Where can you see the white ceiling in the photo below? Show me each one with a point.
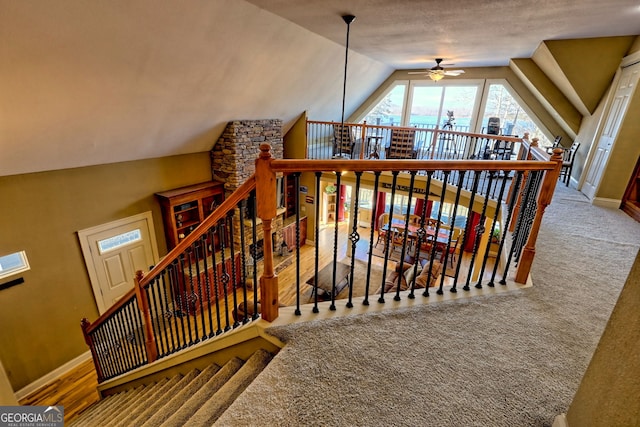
(470, 33)
(88, 82)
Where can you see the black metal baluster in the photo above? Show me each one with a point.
(200, 247)
(510, 205)
(354, 237)
(100, 342)
(481, 230)
(405, 237)
(153, 329)
(254, 227)
(151, 298)
(172, 312)
(179, 296)
(454, 288)
(208, 244)
(332, 307)
(493, 228)
(216, 285)
(126, 348)
(135, 342)
(374, 222)
(317, 247)
(434, 247)
(139, 328)
(530, 211)
(422, 233)
(296, 177)
(394, 174)
(188, 290)
(243, 262)
(112, 348)
(232, 257)
(224, 276)
(165, 308)
(468, 228)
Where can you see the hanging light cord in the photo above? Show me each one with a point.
(348, 19)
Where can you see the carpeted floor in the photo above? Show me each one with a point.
(514, 359)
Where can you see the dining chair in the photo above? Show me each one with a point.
(401, 145)
(456, 238)
(568, 157)
(556, 143)
(383, 227)
(343, 140)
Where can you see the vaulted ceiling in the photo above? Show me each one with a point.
(85, 83)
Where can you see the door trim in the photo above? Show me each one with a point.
(88, 258)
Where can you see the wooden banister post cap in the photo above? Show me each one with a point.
(84, 323)
(139, 275)
(526, 136)
(534, 142)
(557, 154)
(265, 151)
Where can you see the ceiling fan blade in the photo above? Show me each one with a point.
(454, 72)
(418, 72)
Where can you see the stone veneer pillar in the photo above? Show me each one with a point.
(233, 162)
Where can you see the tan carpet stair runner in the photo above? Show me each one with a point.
(195, 399)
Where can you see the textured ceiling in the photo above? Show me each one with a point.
(88, 82)
(411, 33)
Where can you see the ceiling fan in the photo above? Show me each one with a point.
(437, 73)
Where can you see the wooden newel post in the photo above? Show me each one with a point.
(143, 306)
(85, 324)
(266, 210)
(544, 199)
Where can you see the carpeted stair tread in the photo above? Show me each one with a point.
(140, 405)
(130, 401)
(106, 405)
(95, 408)
(181, 396)
(188, 408)
(153, 406)
(223, 398)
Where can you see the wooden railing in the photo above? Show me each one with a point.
(365, 141)
(207, 285)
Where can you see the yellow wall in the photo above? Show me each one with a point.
(41, 214)
(608, 393)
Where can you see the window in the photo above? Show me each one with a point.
(432, 105)
(13, 264)
(514, 120)
(422, 104)
(388, 112)
(119, 240)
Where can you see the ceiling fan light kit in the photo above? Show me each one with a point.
(437, 73)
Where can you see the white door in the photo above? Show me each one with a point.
(113, 253)
(624, 91)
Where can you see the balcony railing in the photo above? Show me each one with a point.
(364, 141)
(208, 284)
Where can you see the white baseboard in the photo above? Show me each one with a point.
(56, 373)
(560, 421)
(607, 203)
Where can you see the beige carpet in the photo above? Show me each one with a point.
(515, 359)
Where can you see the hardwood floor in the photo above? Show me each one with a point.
(76, 390)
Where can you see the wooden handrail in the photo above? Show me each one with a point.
(228, 204)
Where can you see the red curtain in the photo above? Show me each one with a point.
(380, 204)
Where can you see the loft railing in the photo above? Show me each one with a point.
(325, 140)
(207, 284)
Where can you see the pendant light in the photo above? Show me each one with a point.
(348, 19)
